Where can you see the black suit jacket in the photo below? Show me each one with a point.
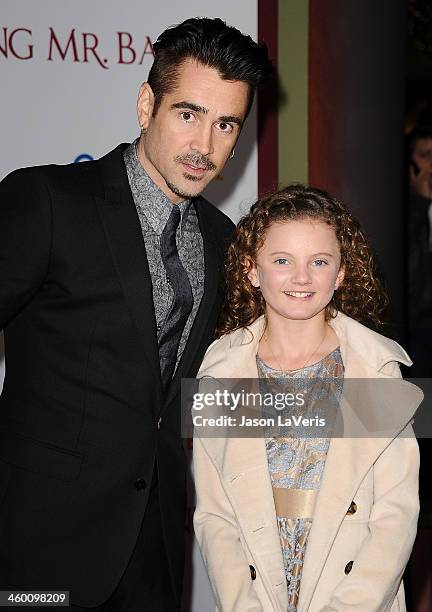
(82, 414)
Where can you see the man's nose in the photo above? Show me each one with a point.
(203, 140)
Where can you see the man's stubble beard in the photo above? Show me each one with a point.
(181, 193)
(194, 159)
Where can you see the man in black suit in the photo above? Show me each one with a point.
(110, 288)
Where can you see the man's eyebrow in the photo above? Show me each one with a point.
(190, 106)
(201, 109)
(231, 119)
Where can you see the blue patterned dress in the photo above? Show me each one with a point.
(298, 464)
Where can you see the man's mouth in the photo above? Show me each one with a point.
(194, 169)
(195, 165)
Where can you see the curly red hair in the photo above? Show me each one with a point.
(360, 296)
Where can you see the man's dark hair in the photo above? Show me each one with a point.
(420, 132)
(212, 43)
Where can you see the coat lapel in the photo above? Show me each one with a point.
(375, 416)
(243, 466)
(123, 231)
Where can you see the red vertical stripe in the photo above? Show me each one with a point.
(267, 102)
(325, 95)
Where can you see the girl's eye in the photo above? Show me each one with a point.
(187, 116)
(281, 261)
(320, 262)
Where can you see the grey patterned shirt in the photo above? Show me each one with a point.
(154, 208)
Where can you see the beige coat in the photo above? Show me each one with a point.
(235, 521)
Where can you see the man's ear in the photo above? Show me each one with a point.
(145, 105)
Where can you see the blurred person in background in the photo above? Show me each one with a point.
(420, 250)
(419, 269)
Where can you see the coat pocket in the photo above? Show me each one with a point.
(39, 457)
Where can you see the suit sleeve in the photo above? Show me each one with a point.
(25, 239)
(219, 539)
(377, 571)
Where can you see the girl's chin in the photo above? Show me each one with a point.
(297, 315)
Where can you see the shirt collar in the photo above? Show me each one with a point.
(149, 198)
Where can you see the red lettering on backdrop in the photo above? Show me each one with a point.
(67, 47)
(5, 47)
(92, 49)
(128, 46)
(126, 52)
(8, 44)
(54, 42)
(148, 49)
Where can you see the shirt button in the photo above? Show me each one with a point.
(348, 567)
(140, 484)
(159, 422)
(353, 508)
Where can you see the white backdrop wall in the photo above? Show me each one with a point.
(70, 73)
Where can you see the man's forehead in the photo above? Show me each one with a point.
(203, 86)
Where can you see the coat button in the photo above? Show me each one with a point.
(353, 508)
(252, 571)
(348, 567)
(140, 484)
(159, 422)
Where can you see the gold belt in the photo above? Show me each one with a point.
(294, 503)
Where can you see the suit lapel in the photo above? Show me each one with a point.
(212, 272)
(123, 231)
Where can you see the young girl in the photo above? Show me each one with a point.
(306, 524)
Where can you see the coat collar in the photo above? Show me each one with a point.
(244, 461)
(363, 350)
(389, 405)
